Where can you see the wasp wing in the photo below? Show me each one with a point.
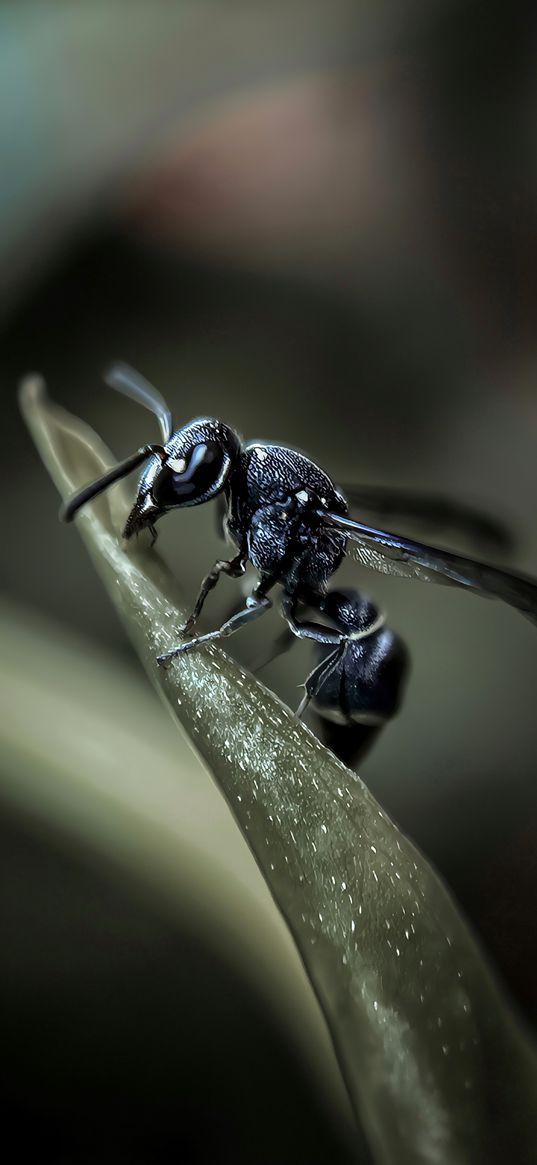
(393, 554)
(432, 511)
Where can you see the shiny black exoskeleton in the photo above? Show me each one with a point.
(286, 517)
(357, 690)
(357, 686)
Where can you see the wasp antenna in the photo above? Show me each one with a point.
(90, 491)
(132, 384)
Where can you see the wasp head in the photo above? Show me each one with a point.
(193, 467)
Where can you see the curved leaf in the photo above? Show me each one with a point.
(436, 1065)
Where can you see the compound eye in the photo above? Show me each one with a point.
(189, 479)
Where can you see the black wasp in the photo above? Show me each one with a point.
(287, 518)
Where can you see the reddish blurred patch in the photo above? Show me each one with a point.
(308, 174)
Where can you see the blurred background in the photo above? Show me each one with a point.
(317, 222)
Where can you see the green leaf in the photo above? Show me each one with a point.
(436, 1065)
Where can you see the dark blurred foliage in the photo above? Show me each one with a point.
(102, 1061)
(362, 287)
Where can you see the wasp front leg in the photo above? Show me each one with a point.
(235, 568)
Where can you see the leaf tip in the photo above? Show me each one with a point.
(32, 393)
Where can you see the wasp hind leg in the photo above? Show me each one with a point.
(319, 675)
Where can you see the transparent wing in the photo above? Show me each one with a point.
(434, 511)
(132, 384)
(393, 554)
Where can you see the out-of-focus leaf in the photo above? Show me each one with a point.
(435, 1063)
(87, 754)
